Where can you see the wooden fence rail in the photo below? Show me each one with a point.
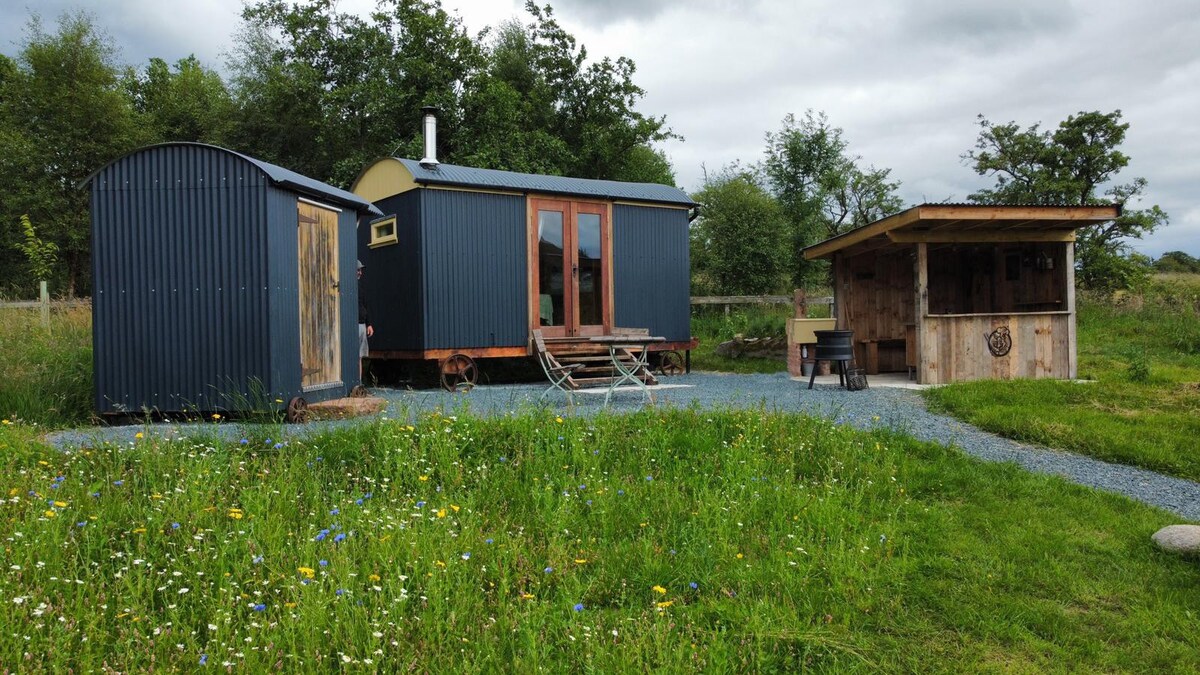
(44, 304)
(728, 300)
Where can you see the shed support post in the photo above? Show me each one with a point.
(44, 296)
(1069, 270)
(921, 307)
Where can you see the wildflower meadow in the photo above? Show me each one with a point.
(666, 540)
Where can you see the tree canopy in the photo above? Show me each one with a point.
(320, 91)
(738, 241)
(1071, 165)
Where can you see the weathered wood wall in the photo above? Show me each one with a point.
(955, 348)
(875, 297)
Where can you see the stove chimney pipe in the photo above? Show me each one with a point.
(430, 159)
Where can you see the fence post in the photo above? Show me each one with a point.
(45, 302)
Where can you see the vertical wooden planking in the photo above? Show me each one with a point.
(925, 355)
(1069, 276)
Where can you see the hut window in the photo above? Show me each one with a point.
(383, 232)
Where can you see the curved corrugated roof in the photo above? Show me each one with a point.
(493, 179)
(276, 174)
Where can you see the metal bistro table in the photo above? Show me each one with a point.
(637, 346)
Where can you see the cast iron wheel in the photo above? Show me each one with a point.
(358, 391)
(297, 410)
(459, 373)
(670, 363)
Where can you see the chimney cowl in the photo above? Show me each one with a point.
(430, 134)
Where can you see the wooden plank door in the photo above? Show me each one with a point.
(571, 267)
(320, 306)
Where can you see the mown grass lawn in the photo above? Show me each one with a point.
(1151, 419)
(680, 540)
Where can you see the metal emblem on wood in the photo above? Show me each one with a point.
(999, 341)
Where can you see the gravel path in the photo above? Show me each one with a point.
(898, 409)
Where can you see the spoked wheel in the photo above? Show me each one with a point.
(459, 373)
(297, 410)
(358, 391)
(670, 363)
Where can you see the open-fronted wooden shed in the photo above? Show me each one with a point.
(962, 291)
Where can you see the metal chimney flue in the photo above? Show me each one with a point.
(430, 160)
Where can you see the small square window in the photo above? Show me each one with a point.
(383, 232)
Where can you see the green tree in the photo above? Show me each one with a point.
(41, 255)
(324, 92)
(185, 103)
(537, 105)
(1068, 166)
(821, 188)
(738, 241)
(1177, 261)
(62, 115)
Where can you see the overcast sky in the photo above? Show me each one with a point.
(905, 79)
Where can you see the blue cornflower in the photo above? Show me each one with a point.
(267, 442)
(59, 479)
(204, 659)
(368, 495)
(244, 441)
(649, 479)
(560, 438)
(694, 585)
(621, 493)
(589, 502)
(487, 541)
(54, 485)
(322, 563)
(340, 591)
(420, 504)
(118, 483)
(582, 487)
(334, 512)
(96, 495)
(503, 460)
(305, 582)
(358, 501)
(338, 539)
(277, 446)
(672, 551)
(548, 570)
(579, 607)
(466, 556)
(174, 526)
(260, 607)
(81, 523)
(257, 559)
(321, 535)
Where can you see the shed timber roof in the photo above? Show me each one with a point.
(967, 223)
(276, 174)
(450, 175)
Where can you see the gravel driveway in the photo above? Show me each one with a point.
(898, 409)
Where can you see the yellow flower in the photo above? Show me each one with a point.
(155, 496)
(50, 514)
(659, 589)
(580, 561)
(558, 419)
(739, 556)
(527, 596)
(139, 530)
(455, 507)
(665, 604)
(235, 513)
(5, 422)
(216, 416)
(306, 571)
(139, 435)
(441, 513)
(290, 605)
(14, 492)
(439, 563)
(61, 505)
(373, 577)
(423, 478)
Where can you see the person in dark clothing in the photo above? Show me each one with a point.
(364, 323)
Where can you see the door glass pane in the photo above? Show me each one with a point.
(591, 279)
(550, 268)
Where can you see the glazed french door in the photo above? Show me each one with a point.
(572, 268)
(320, 338)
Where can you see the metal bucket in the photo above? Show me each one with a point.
(835, 345)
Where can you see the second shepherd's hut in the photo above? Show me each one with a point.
(467, 263)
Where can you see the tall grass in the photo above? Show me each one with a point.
(681, 540)
(47, 374)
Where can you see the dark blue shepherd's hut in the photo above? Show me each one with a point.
(471, 261)
(222, 282)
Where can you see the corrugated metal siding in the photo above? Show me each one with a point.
(392, 280)
(473, 255)
(465, 176)
(179, 261)
(651, 272)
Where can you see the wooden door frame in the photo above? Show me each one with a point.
(570, 208)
